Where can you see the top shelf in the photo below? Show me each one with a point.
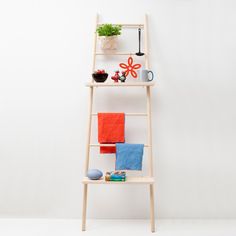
(127, 84)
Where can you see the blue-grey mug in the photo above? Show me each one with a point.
(145, 75)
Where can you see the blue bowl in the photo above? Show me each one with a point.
(94, 174)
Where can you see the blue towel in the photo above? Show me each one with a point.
(129, 156)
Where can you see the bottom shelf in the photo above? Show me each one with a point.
(129, 180)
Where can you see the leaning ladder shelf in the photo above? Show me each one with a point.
(147, 180)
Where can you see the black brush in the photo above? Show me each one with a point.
(139, 53)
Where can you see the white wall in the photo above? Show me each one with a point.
(45, 59)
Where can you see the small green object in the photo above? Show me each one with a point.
(118, 180)
(109, 30)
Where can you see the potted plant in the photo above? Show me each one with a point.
(108, 35)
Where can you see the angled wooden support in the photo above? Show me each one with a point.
(149, 123)
(87, 159)
(90, 104)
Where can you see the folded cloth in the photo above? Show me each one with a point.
(115, 176)
(111, 129)
(129, 156)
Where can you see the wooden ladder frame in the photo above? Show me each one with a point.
(130, 180)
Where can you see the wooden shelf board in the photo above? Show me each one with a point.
(129, 180)
(128, 84)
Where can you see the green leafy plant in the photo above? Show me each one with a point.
(109, 30)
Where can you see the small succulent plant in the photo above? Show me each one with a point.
(109, 30)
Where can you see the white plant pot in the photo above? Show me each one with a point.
(109, 42)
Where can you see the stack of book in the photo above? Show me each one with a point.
(115, 176)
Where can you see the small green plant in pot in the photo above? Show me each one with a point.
(108, 35)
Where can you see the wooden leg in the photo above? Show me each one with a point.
(152, 216)
(84, 207)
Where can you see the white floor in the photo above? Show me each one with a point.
(46, 227)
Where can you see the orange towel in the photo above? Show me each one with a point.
(111, 129)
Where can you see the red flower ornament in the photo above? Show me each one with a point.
(130, 67)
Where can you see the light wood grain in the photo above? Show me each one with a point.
(129, 180)
(146, 40)
(108, 145)
(149, 125)
(125, 25)
(115, 54)
(152, 215)
(85, 190)
(85, 193)
(127, 84)
(95, 44)
(127, 114)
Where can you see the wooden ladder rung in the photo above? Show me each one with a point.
(126, 25)
(108, 145)
(115, 54)
(127, 114)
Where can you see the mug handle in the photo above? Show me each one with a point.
(152, 75)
